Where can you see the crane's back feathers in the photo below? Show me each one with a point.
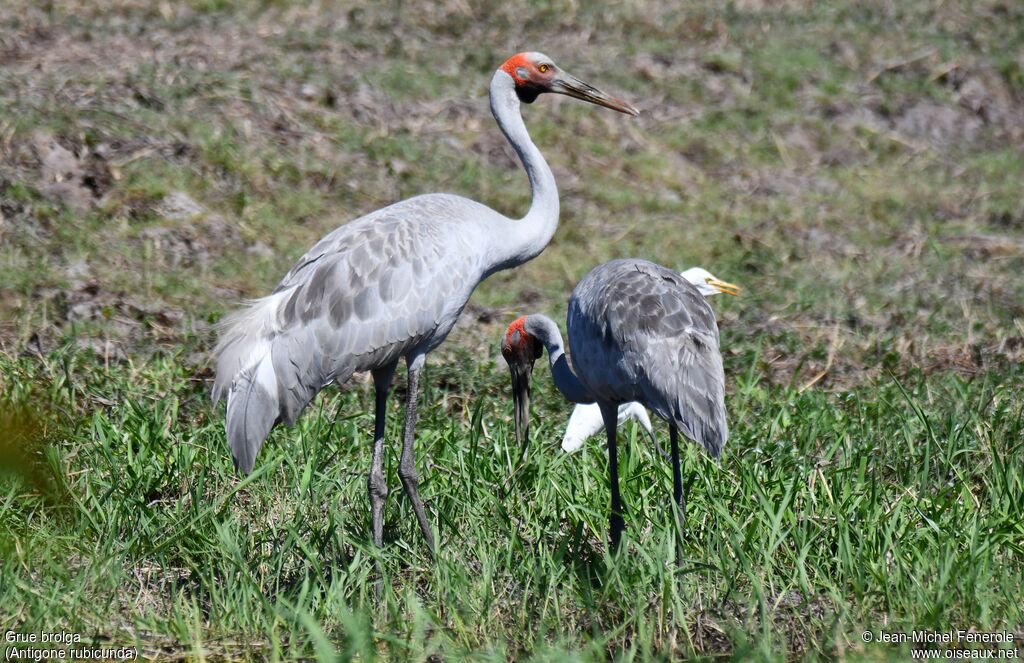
(370, 292)
(640, 332)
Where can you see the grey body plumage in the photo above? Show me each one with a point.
(638, 332)
(641, 332)
(387, 286)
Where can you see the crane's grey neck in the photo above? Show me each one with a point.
(527, 237)
(546, 331)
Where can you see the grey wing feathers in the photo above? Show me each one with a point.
(663, 339)
(365, 295)
(695, 382)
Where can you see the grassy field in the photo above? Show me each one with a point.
(855, 166)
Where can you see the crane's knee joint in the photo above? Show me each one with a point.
(377, 485)
(407, 473)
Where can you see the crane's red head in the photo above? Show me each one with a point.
(530, 69)
(518, 345)
(535, 73)
(520, 350)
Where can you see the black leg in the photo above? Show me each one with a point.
(407, 464)
(610, 414)
(376, 483)
(678, 498)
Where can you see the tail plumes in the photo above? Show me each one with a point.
(245, 370)
(245, 339)
(252, 411)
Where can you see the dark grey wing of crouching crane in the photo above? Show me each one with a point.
(638, 332)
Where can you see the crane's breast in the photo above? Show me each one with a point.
(601, 362)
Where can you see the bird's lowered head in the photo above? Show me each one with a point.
(708, 284)
(535, 73)
(521, 350)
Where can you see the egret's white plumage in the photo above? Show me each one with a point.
(585, 420)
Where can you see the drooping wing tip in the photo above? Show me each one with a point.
(715, 445)
(243, 466)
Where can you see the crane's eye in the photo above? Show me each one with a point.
(707, 280)
(543, 68)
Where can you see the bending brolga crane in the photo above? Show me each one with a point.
(638, 332)
(586, 417)
(387, 286)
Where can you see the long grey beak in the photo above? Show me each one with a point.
(521, 377)
(569, 85)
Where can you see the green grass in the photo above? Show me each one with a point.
(873, 478)
(892, 506)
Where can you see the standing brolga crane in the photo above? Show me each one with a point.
(638, 332)
(586, 418)
(387, 286)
